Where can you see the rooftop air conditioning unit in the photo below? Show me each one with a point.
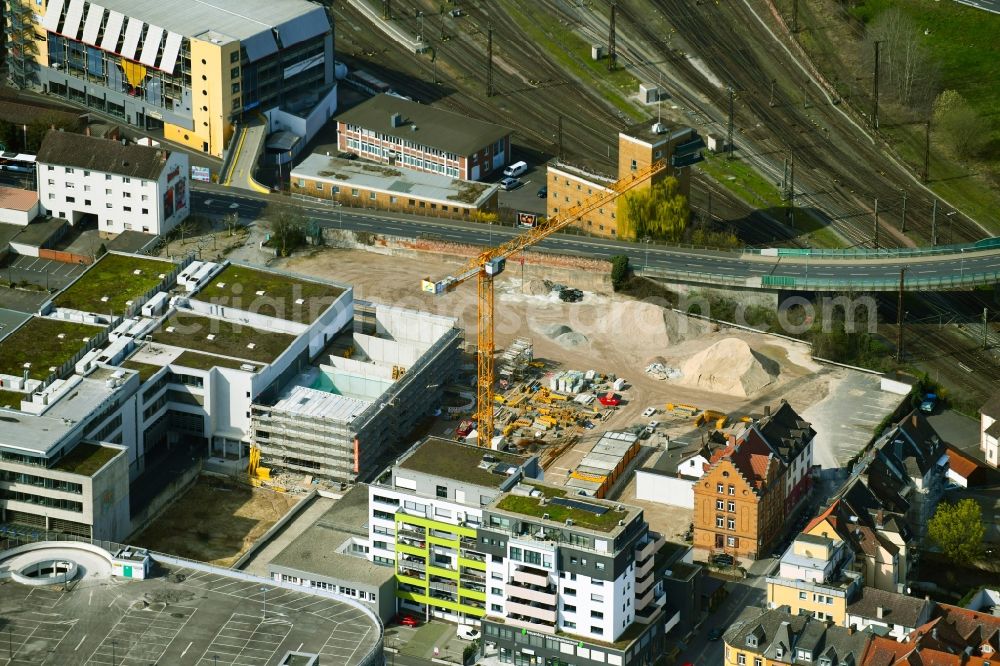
(569, 521)
(545, 516)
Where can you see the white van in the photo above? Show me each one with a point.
(467, 633)
(515, 169)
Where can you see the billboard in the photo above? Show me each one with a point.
(203, 174)
(527, 219)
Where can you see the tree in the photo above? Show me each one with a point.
(907, 72)
(619, 271)
(288, 228)
(659, 212)
(958, 530)
(966, 131)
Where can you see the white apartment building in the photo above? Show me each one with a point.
(989, 442)
(121, 187)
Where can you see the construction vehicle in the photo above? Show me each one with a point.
(492, 261)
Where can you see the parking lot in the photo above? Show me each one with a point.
(44, 273)
(525, 196)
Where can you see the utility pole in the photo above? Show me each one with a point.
(770, 102)
(612, 49)
(927, 151)
(805, 93)
(795, 16)
(876, 223)
(875, 90)
(732, 107)
(899, 317)
(903, 214)
(489, 60)
(559, 138)
(791, 189)
(934, 224)
(985, 331)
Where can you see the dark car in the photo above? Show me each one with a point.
(723, 560)
(715, 633)
(543, 191)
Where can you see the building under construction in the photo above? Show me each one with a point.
(336, 421)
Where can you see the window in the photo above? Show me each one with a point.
(441, 491)
(442, 513)
(107, 176)
(600, 566)
(731, 523)
(145, 211)
(371, 195)
(731, 541)
(720, 505)
(757, 662)
(70, 186)
(52, 181)
(71, 199)
(126, 180)
(720, 521)
(569, 592)
(597, 630)
(720, 488)
(732, 489)
(107, 205)
(569, 625)
(569, 608)
(802, 595)
(234, 56)
(597, 615)
(634, 165)
(741, 659)
(107, 191)
(731, 506)
(319, 186)
(236, 88)
(234, 73)
(497, 591)
(86, 202)
(599, 598)
(496, 608)
(354, 191)
(69, 170)
(127, 209)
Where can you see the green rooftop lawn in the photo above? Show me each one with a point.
(529, 506)
(145, 370)
(38, 342)
(457, 461)
(197, 361)
(11, 399)
(86, 459)
(228, 339)
(239, 286)
(114, 278)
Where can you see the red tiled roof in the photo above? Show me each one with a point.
(821, 517)
(962, 464)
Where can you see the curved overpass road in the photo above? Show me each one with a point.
(948, 270)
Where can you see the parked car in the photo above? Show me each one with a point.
(649, 412)
(715, 633)
(543, 192)
(407, 620)
(723, 560)
(653, 425)
(516, 169)
(928, 404)
(467, 633)
(509, 184)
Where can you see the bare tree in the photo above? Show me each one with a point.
(907, 72)
(288, 227)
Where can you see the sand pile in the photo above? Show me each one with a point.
(566, 336)
(731, 367)
(655, 324)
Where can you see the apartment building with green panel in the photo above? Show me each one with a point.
(425, 512)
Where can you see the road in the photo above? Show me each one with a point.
(699, 266)
(986, 5)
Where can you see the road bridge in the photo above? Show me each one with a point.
(941, 268)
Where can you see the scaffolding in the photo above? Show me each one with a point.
(515, 360)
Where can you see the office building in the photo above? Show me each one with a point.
(189, 67)
(120, 187)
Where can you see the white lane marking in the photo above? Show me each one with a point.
(187, 648)
(80, 643)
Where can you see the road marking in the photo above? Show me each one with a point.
(964, 367)
(187, 648)
(80, 643)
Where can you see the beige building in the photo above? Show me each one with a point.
(364, 185)
(189, 67)
(815, 578)
(638, 147)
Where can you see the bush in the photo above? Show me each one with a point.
(470, 651)
(619, 271)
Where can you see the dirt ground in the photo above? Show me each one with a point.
(622, 335)
(215, 521)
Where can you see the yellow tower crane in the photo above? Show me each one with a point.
(491, 262)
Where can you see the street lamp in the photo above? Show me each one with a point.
(948, 215)
(961, 264)
(645, 262)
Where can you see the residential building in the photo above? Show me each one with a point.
(639, 146)
(964, 470)
(192, 68)
(121, 187)
(989, 429)
(791, 438)
(953, 637)
(777, 636)
(671, 476)
(571, 579)
(332, 554)
(425, 514)
(895, 614)
(18, 207)
(397, 188)
(399, 132)
(814, 578)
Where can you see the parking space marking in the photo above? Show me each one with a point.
(140, 637)
(245, 640)
(44, 636)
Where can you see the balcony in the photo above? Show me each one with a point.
(535, 625)
(444, 536)
(469, 555)
(412, 564)
(531, 576)
(537, 612)
(651, 543)
(644, 583)
(647, 614)
(443, 586)
(643, 568)
(537, 594)
(404, 529)
(473, 575)
(644, 599)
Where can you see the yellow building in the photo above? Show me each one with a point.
(779, 637)
(814, 578)
(638, 147)
(188, 67)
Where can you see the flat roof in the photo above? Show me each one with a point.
(394, 180)
(238, 19)
(200, 610)
(459, 462)
(531, 507)
(44, 343)
(14, 198)
(315, 403)
(38, 232)
(437, 128)
(11, 319)
(87, 459)
(282, 295)
(111, 283)
(192, 331)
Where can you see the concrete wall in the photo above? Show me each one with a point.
(657, 487)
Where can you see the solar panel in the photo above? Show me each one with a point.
(595, 509)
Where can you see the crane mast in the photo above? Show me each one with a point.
(491, 262)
